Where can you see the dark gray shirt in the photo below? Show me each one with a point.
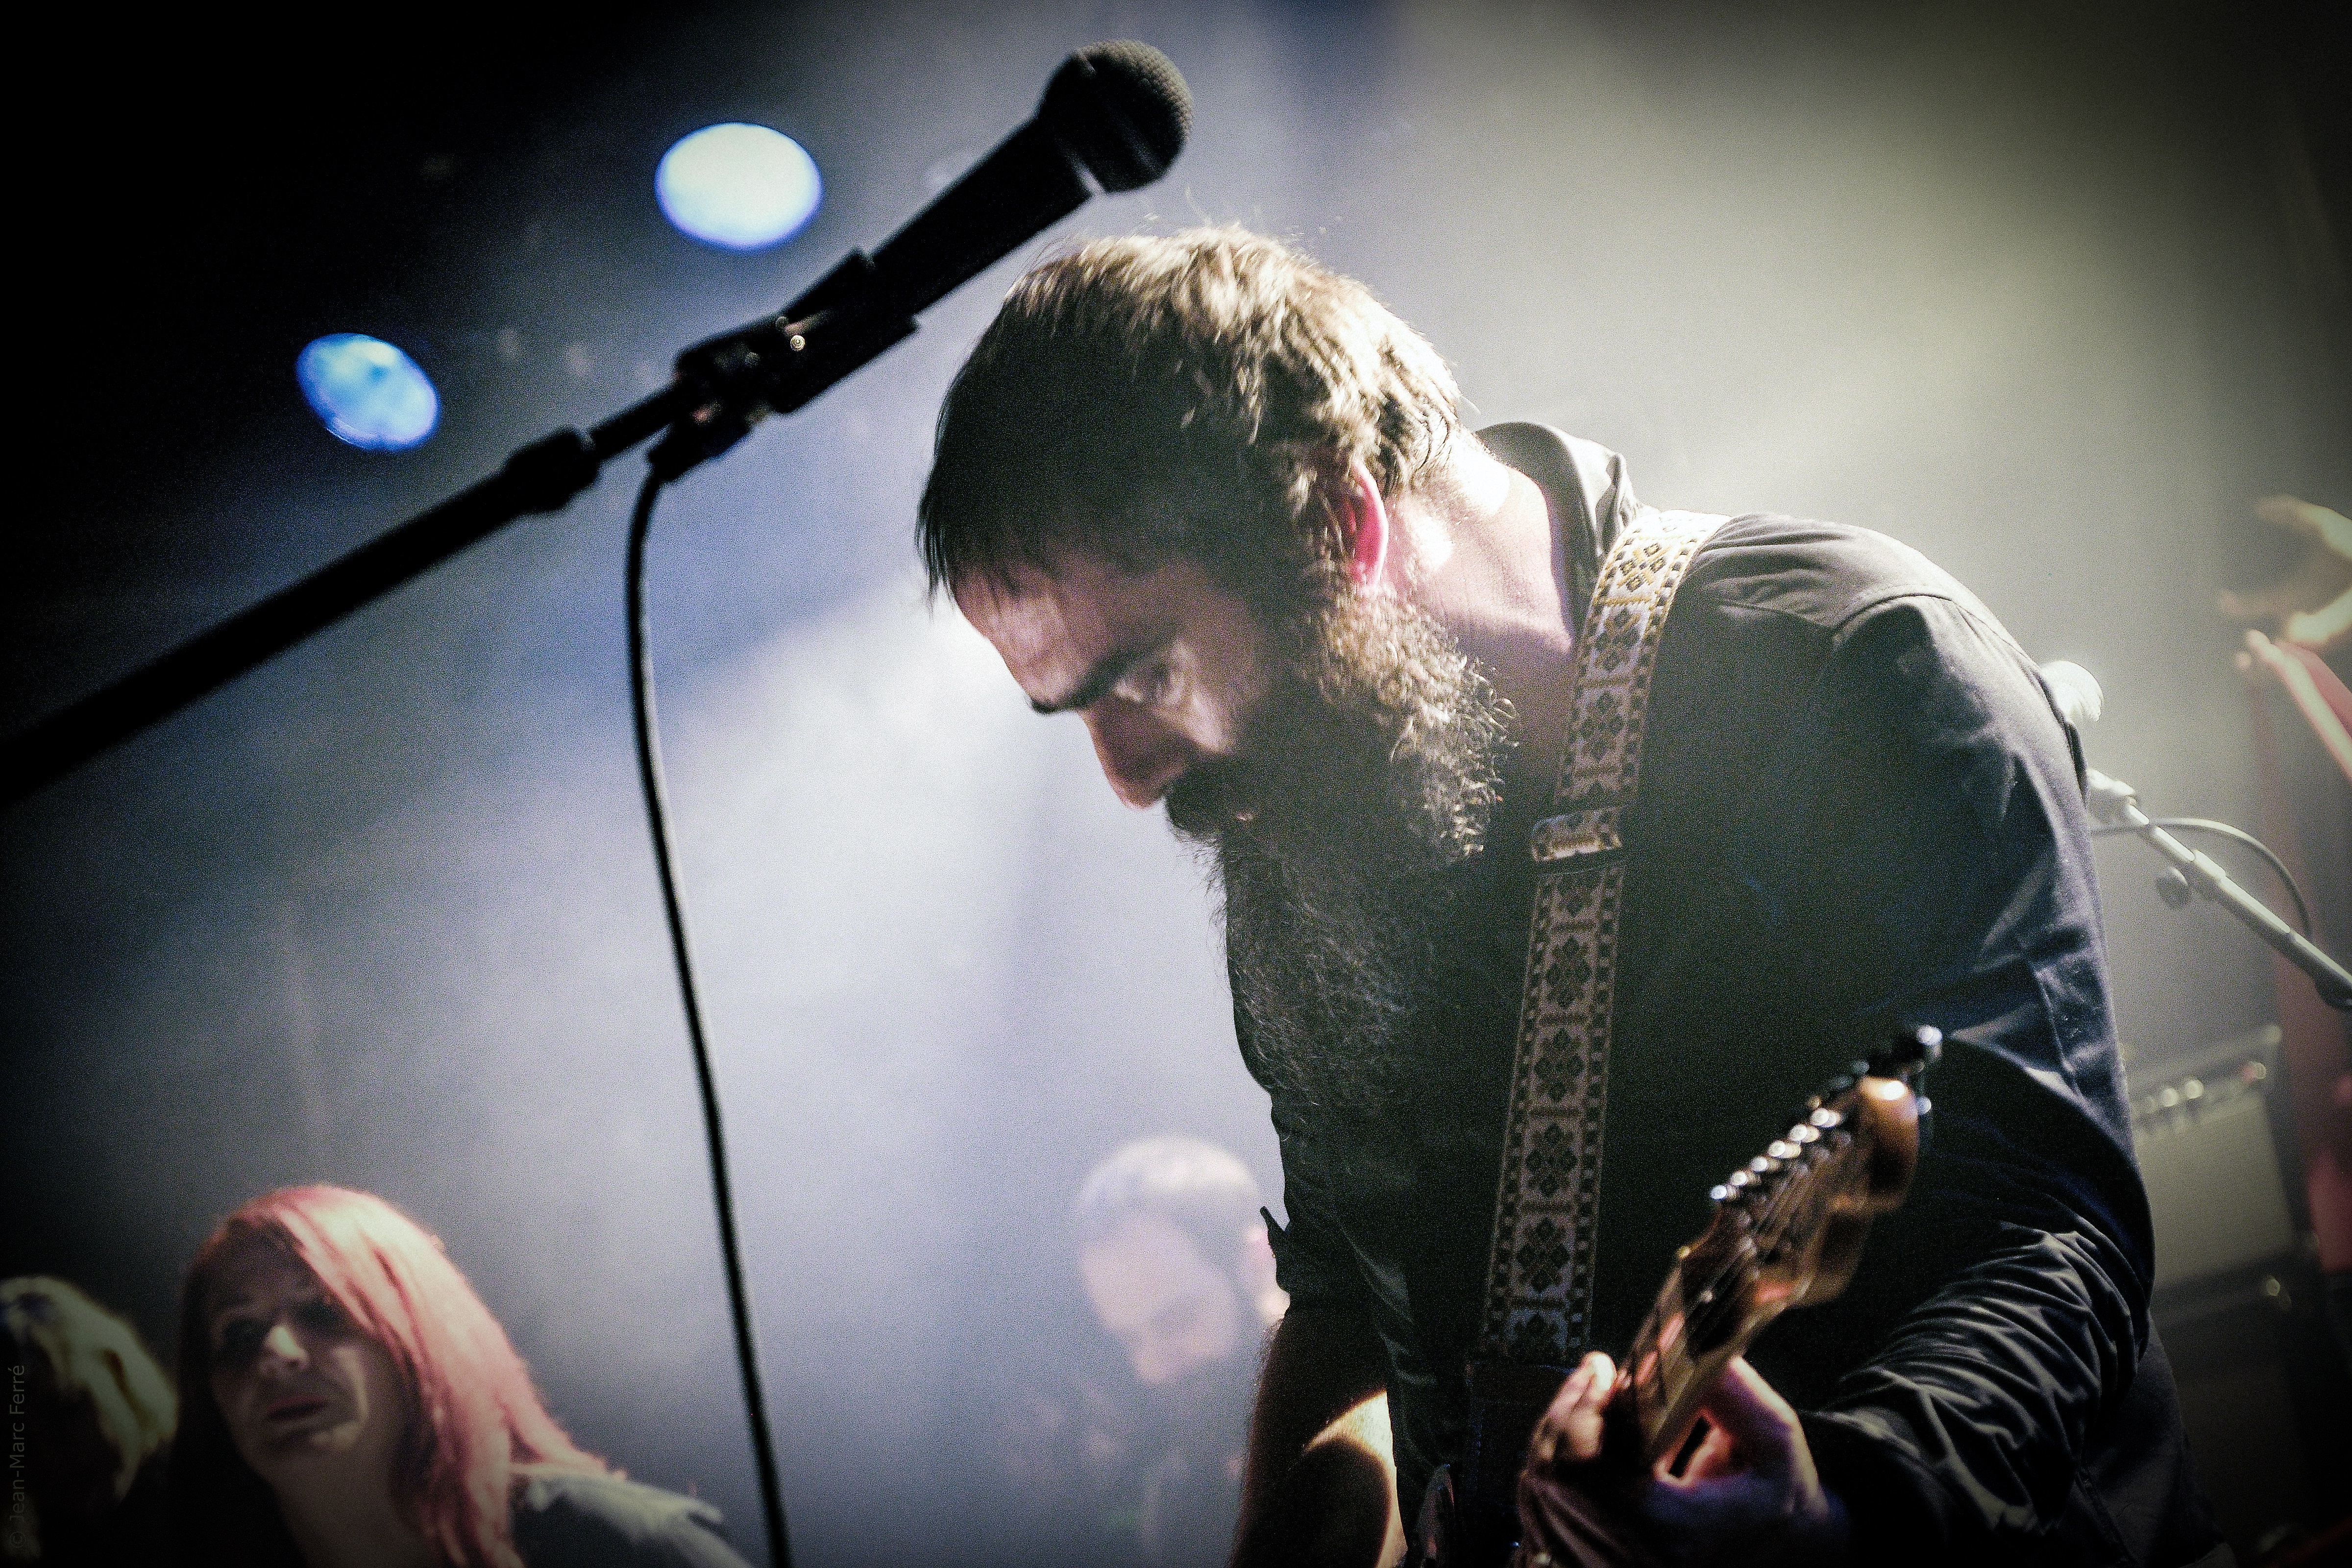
(1858, 810)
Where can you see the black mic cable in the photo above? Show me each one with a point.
(1120, 112)
(656, 792)
(2075, 699)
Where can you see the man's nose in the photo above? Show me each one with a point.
(280, 1344)
(1141, 754)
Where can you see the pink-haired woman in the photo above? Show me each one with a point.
(347, 1401)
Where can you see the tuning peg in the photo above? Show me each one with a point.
(1910, 1053)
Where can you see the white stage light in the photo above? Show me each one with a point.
(740, 186)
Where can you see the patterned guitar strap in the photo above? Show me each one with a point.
(1536, 1318)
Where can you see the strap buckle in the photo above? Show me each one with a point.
(1574, 835)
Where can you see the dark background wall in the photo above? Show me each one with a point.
(2047, 291)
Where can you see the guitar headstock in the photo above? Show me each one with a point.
(1802, 1207)
(1787, 1229)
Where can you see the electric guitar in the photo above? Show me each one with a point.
(1786, 1230)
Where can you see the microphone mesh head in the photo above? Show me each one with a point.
(2075, 690)
(1122, 109)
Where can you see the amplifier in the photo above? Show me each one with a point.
(2238, 1298)
(2211, 1162)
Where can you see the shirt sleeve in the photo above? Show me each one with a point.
(1942, 856)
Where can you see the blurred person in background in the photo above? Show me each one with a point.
(90, 1420)
(2301, 685)
(348, 1400)
(1173, 1251)
(1121, 1438)
(1174, 1255)
(2310, 603)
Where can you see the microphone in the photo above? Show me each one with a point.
(1120, 112)
(2073, 692)
(2189, 873)
(1116, 113)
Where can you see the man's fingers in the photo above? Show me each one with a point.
(2259, 604)
(1717, 1455)
(1570, 1430)
(2293, 514)
(1760, 1424)
(2318, 629)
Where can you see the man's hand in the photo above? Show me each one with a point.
(1749, 1495)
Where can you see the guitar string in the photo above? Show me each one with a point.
(1702, 1321)
(1767, 1230)
(1800, 1198)
(1768, 1227)
(1771, 1226)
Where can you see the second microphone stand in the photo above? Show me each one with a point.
(2192, 874)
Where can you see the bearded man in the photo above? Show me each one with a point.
(1217, 501)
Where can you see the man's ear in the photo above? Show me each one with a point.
(1364, 523)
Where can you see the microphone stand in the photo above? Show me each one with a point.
(1113, 118)
(724, 385)
(2191, 874)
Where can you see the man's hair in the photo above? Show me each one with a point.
(1197, 397)
(1200, 1189)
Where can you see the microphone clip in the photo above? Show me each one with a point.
(2111, 800)
(727, 383)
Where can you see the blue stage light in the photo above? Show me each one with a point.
(367, 392)
(741, 186)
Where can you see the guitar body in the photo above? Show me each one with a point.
(1786, 1230)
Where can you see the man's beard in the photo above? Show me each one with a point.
(1369, 773)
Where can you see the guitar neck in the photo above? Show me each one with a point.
(1787, 1230)
(1714, 1304)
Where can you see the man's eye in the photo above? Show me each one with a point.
(1153, 684)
